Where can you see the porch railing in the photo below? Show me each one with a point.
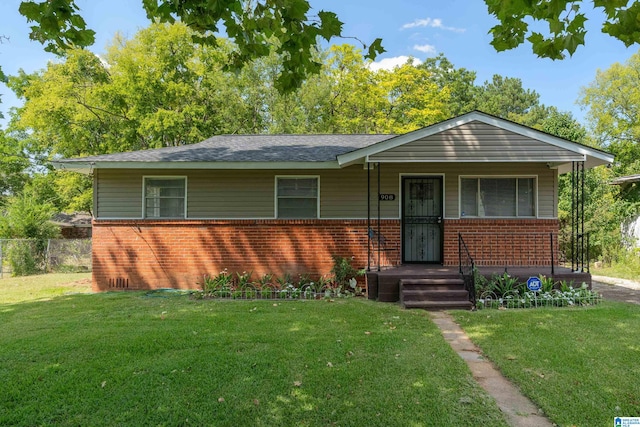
(507, 250)
(467, 269)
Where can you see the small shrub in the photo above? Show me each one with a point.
(21, 258)
(504, 284)
(548, 284)
(218, 286)
(344, 274)
(482, 283)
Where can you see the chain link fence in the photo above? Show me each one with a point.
(20, 257)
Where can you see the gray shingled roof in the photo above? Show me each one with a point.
(249, 148)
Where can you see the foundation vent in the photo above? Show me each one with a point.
(119, 282)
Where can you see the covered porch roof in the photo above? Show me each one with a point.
(478, 137)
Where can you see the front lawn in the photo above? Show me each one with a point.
(580, 365)
(132, 358)
(45, 286)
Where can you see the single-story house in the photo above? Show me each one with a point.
(75, 225)
(287, 203)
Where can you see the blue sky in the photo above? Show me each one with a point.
(417, 28)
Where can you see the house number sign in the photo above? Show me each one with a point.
(387, 197)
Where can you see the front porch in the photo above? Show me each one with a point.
(432, 286)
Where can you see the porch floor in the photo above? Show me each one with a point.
(384, 285)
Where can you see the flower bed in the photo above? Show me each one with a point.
(503, 292)
(343, 283)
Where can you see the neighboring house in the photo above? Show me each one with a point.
(73, 226)
(287, 203)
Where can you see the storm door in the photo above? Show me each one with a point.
(422, 219)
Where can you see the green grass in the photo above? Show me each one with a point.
(129, 358)
(46, 286)
(627, 266)
(580, 365)
(629, 271)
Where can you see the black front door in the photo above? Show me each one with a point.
(422, 219)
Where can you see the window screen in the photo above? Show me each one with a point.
(297, 197)
(497, 197)
(164, 197)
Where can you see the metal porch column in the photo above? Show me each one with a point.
(378, 165)
(368, 216)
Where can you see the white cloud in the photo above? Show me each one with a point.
(391, 63)
(431, 22)
(425, 48)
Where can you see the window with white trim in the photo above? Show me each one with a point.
(297, 197)
(165, 197)
(497, 197)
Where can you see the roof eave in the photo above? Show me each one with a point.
(88, 167)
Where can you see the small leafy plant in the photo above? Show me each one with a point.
(219, 285)
(345, 274)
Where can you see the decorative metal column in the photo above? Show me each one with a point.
(378, 166)
(579, 247)
(368, 216)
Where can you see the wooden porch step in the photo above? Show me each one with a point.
(434, 281)
(439, 305)
(434, 295)
(438, 293)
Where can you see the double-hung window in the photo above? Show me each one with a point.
(497, 197)
(297, 197)
(165, 197)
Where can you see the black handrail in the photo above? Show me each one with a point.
(467, 269)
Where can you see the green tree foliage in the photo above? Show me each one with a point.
(613, 103)
(291, 26)
(366, 101)
(13, 165)
(505, 97)
(25, 217)
(156, 90)
(565, 20)
(458, 82)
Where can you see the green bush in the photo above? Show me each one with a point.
(23, 258)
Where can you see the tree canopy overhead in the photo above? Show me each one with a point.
(565, 20)
(254, 25)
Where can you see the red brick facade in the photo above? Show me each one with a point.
(177, 254)
(498, 242)
(160, 254)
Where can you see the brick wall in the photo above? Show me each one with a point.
(160, 254)
(510, 242)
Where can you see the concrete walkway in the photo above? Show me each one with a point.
(519, 411)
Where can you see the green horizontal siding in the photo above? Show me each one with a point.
(343, 193)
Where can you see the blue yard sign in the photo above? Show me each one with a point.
(534, 284)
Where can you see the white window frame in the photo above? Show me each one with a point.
(275, 192)
(479, 177)
(144, 194)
